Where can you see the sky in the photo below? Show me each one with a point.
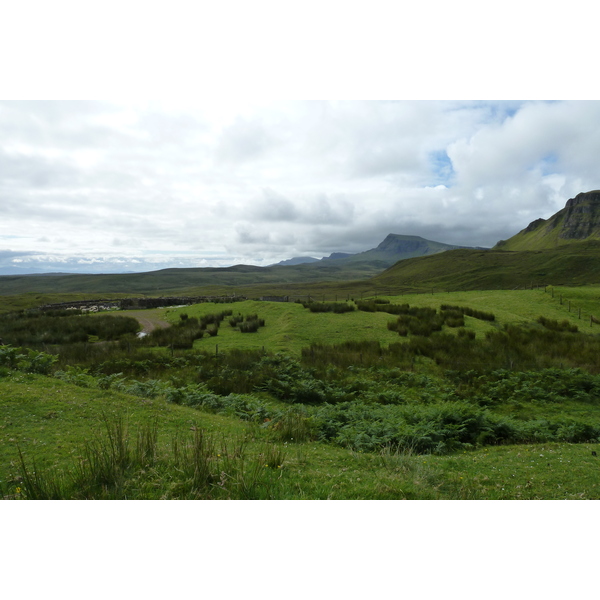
(225, 167)
(114, 186)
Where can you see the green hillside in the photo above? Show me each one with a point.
(574, 264)
(174, 281)
(578, 221)
(223, 280)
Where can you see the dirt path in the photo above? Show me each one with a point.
(148, 319)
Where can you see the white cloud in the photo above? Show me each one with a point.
(259, 182)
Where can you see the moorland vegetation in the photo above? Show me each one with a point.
(458, 374)
(262, 395)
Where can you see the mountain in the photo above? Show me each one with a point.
(297, 260)
(336, 267)
(337, 255)
(578, 221)
(400, 247)
(394, 247)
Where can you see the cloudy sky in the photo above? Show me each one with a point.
(228, 170)
(117, 186)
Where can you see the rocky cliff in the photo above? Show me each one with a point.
(581, 217)
(578, 221)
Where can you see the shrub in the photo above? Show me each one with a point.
(295, 425)
(554, 325)
(476, 314)
(249, 326)
(334, 307)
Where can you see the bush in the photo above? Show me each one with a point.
(476, 314)
(554, 325)
(334, 307)
(249, 326)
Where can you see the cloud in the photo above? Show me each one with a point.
(254, 182)
(272, 206)
(242, 141)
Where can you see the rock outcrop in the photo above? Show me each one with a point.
(578, 221)
(581, 217)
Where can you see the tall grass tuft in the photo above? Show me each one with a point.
(39, 484)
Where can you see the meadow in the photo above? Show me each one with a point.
(486, 400)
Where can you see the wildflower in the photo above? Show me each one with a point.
(18, 490)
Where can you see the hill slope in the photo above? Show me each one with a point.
(578, 221)
(174, 281)
(574, 264)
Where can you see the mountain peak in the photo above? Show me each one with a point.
(579, 220)
(592, 197)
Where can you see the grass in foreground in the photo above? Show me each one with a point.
(61, 441)
(78, 443)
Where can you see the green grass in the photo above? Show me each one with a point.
(289, 327)
(51, 422)
(574, 264)
(54, 424)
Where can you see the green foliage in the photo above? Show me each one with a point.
(324, 307)
(515, 347)
(26, 360)
(35, 328)
(463, 379)
(465, 310)
(121, 465)
(295, 425)
(251, 324)
(554, 325)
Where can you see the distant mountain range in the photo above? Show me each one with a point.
(564, 249)
(394, 247)
(300, 270)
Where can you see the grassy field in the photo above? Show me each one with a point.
(259, 446)
(51, 421)
(290, 327)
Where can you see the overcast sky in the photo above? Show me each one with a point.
(218, 179)
(97, 186)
